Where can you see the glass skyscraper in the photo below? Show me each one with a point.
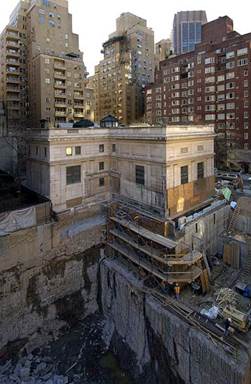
(187, 30)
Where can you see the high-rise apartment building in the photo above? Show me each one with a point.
(163, 50)
(3, 125)
(127, 67)
(13, 67)
(187, 30)
(209, 85)
(43, 71)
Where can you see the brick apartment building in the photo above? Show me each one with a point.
(209, 85)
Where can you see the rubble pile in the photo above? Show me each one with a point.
(31, 370)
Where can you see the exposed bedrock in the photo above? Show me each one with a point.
(158, 346)
(48, 278)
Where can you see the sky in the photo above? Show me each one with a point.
(94, 20)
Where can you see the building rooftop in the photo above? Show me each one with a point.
(84, 123)
(143, 131)
(14, 196)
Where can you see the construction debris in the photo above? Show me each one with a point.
(31, 370)
(226, 297)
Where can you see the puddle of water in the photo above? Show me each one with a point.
(108, 361)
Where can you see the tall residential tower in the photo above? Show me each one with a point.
(43, 71)
(127, 67)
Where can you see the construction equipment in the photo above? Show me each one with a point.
(239, 319)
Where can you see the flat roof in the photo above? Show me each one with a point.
(14, 196)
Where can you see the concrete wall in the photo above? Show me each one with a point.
(243, 222)
(42, 266)
(207, 230)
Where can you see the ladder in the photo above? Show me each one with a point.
(234, 218)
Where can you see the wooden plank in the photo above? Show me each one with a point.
(231, 255)
(187, 259)
(170, 277)
(165, 242)
(205, 273)
(206, 263)
(226, 254)
(203, 282)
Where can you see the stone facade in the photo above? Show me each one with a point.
(109, 159)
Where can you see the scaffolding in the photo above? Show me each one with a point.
(150, 251)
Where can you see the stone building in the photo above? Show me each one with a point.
(127, 67)
(208, 85)
(167, 169)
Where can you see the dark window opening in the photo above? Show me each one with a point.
(113, 147)
(101, 166)
(140, 174)
(101, 181)
(78, 150)
(184, 174)
(200, 170)
(73, 174)
(101, 148)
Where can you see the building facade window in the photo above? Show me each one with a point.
(200, 170)
(101, 166)
(140, 174)
(101, 181)
(242, 62)
(68, 151)
(101, 148)
(73, 174)
(78, 150)
(230, 75)
(184, 174)
(113, 147)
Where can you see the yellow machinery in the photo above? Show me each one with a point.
(239, 319)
